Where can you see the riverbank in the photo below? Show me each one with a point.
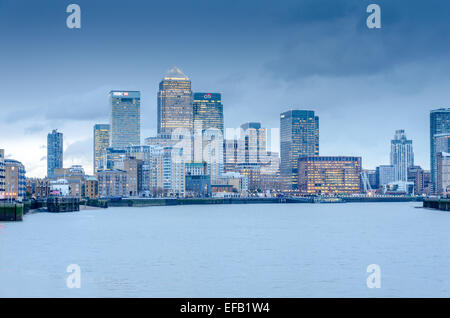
(144, 202)
(437, 204)
(11, 211)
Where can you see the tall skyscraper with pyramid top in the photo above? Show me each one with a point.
(175, 110)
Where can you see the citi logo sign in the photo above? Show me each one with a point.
(207, 96)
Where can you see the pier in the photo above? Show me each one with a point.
(436, 203)
(142, 202)
(11, 211)
(63, 204)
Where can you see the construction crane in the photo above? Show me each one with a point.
(365, 182)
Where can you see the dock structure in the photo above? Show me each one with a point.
(135, 202)
(437, 203)
(63, 204)
(11, 211)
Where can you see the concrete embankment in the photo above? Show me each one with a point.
(438, 204)
(63, 204)
(141, 202)
(382, 199)
(11, 211)
(136, 202)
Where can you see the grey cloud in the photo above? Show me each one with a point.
(340, 44)
(79, 150)
(34, 129)
(84, 106)
(87, 106)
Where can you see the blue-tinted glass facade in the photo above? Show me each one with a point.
(125, 121)
(299, 136)
(439, 124)
(54, 152)
(208, 111)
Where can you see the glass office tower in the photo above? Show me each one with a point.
(2, 173)
(175, 109)
(402, 155)
(54, 152)
(254, 141)
(299, 136)
(125, 120)
(439, 124)
(208, 111)
(101, 143)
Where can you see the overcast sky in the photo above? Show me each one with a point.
(265, 57)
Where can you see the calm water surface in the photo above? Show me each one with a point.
(290, 250)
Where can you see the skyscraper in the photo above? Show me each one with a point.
(439, 124)
(254, 142)
(208, 111)
(299, 136)
(402, 155)
(125, 121)
(101, 143)
(441, 143)
(54, 152)
(2, 173)
(442, 173)
(175, 109)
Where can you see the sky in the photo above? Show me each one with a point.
(265, 57)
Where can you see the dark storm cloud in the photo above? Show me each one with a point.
(263, 56)
(333, 39)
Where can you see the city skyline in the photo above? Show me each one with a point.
(357, 88)
(270, 146)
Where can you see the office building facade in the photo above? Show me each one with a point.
(299, 136)
(402, 155)
(2, 174)
(101, 143)
(54, 152)
(125, 120)
(439, 124)
(208, 111)
(175, 111)
(442, 173)
(254, 142)
(329, 175)
(385, 174)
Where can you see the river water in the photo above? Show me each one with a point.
(260, 250)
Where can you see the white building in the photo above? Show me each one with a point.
(167, 172)
(385, 174)
(60, 187)
(443, 173)
(208, 147)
